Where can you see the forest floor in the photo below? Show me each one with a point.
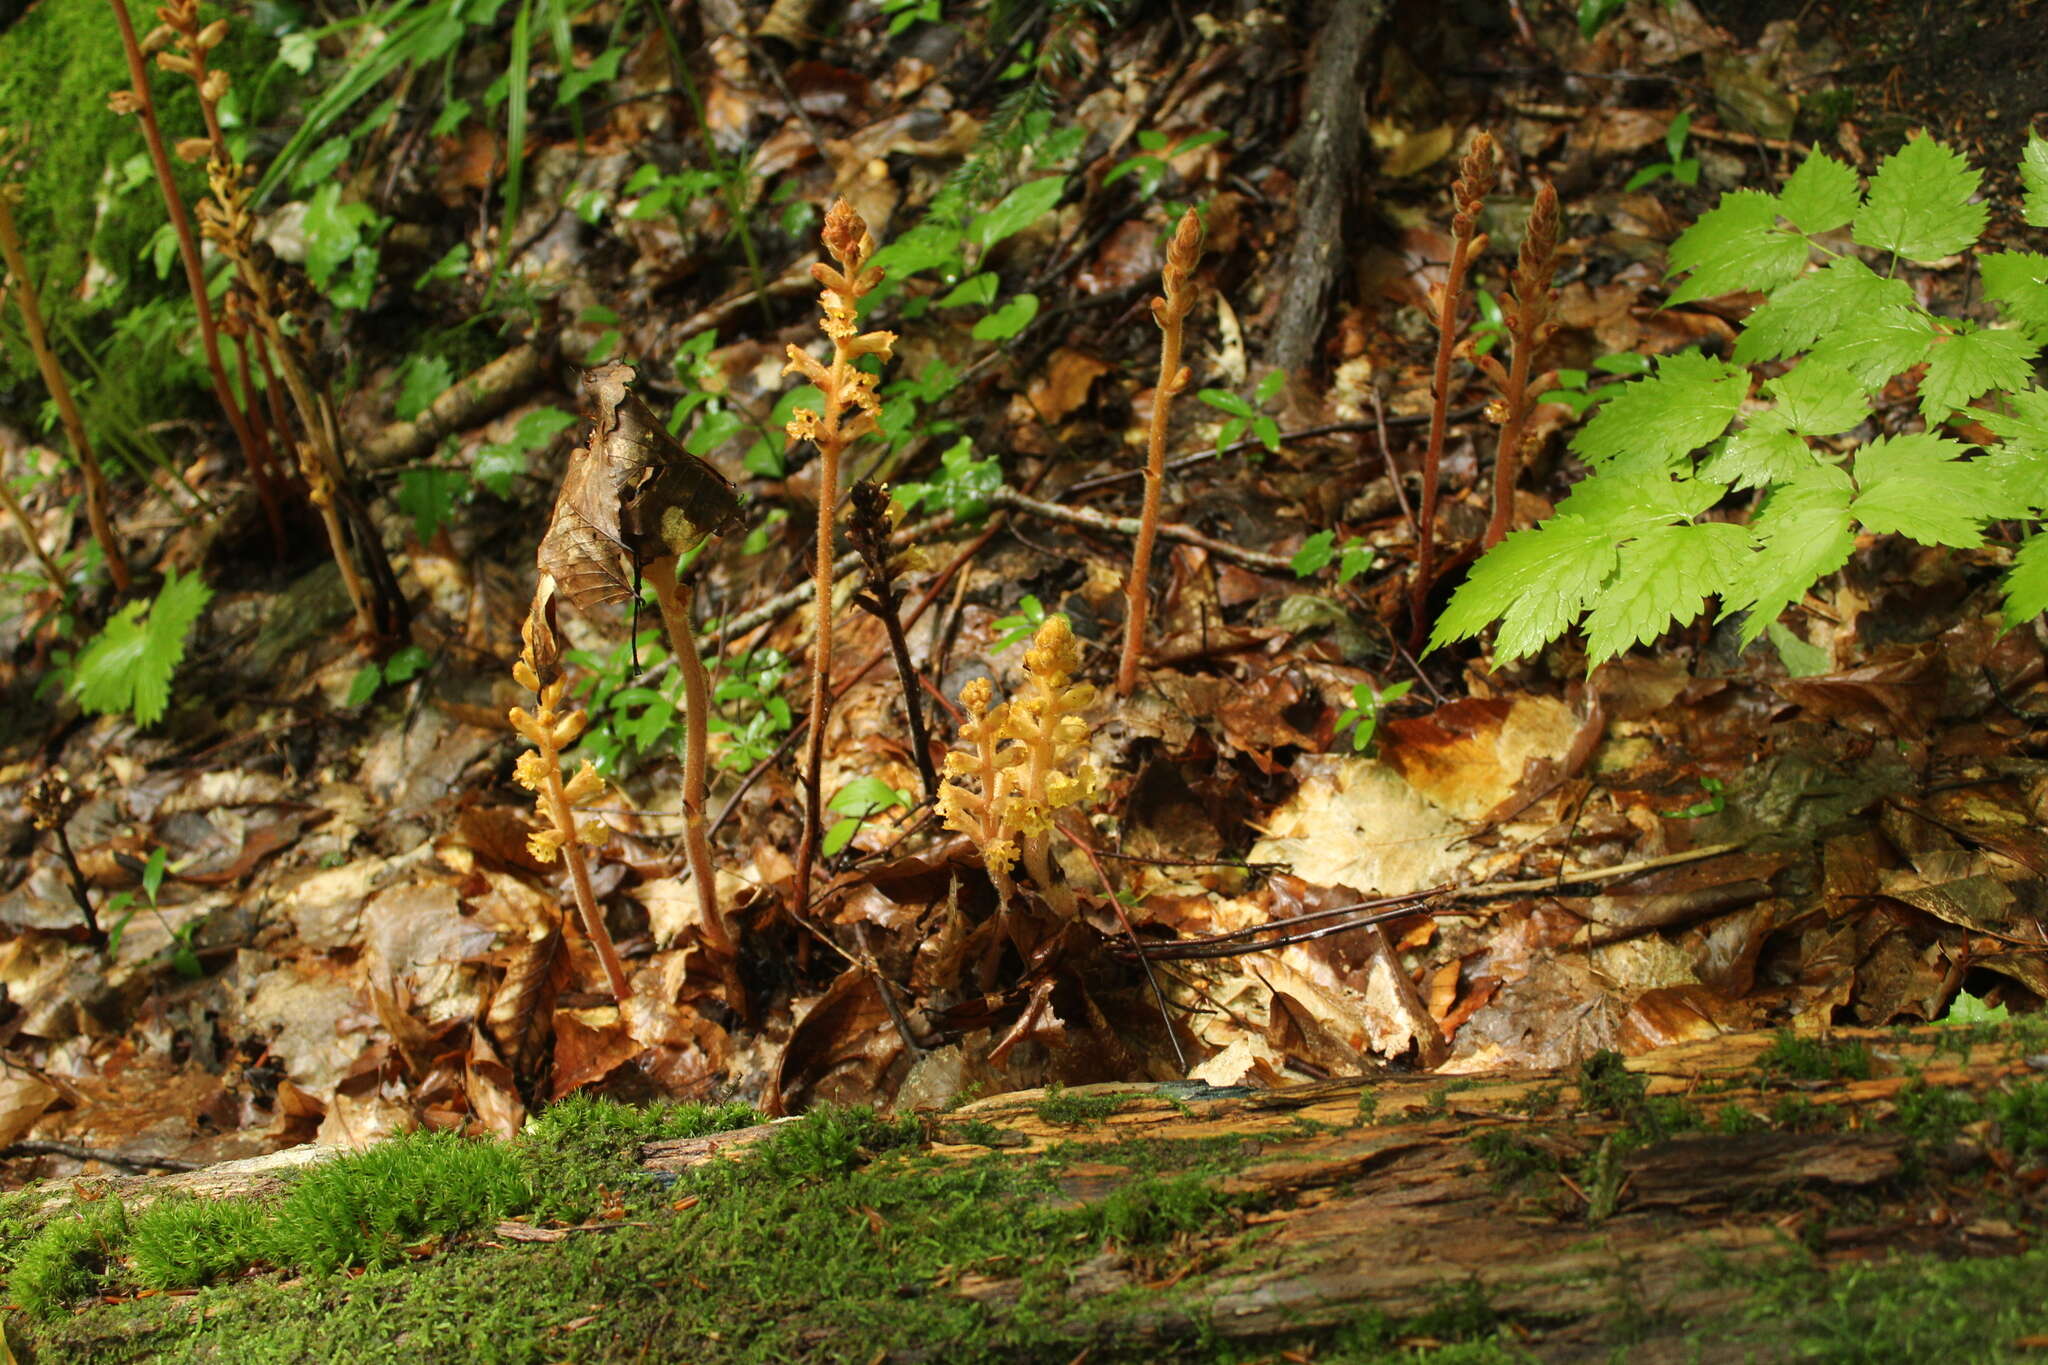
(333, 927)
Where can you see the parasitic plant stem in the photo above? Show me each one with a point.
(846, 388)
(60, 393)
(1529, 328)
(1169, 311)
(1475, 181)
(674, 592)
(136, 100)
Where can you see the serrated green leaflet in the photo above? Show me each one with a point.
(2026, 424)
(2014, 281)
(1661, 578)
(1919, 204)
(1818, 399)
(1971, 362)
(2034, 181)
(2022, 474)
(2026, 587)
(1808, 308)
(1803, 533)
(1737, 246)
(1623, 504)
(1757, 456)
(1875, 346)
(1920, 486)
(1821, 195)
(1537, 582)
(128, 667)
(1658, 421)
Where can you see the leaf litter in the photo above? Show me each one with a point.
(1838, 827)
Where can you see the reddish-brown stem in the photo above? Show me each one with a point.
(1170, 312)
(60, 393)
(674, 595)
(564, 817)
(1475, 179)
(821, 658)
(1531, 314)
(188, 250)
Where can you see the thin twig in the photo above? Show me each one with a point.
(43, 1147)
(1006, 496)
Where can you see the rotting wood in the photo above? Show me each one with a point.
(475, 398)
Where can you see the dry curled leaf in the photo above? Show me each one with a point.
(632, 495)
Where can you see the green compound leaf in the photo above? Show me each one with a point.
(2014, 280)
(1662, 578)
(1919, 205)
(1810, 307)
(2034, 181)
(1657, 422)
(1875, 346)
(128, 667)
(1804, 534)
(1920, 486)
(1821, 195)
(1759, 455)
(1819, 399)
(1738, 245)
(2026, 587)
(1971, 362)
(2026, 425)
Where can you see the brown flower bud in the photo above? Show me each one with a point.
(193, 148)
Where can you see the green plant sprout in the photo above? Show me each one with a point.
(858, 802)
(1631, 551)
(753, 715)
(1680, 167)
(1574, 387)
(903, 13)
(962, 485)
(431, 493)
(1019, 625)
(1362, 717)
(128, 666)
(1713, 803)
(1150, 164)
(121, 907)
(1355, 557)
(403, 666)
(1245, 416)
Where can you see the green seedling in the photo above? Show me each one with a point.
(1243, 416)
(1020, 625)
(1156, 154)
(1713, 803)
(858, 802)
(1320, 550)
(1574, 387)
(1680, 167)
(1490, 328)
(1362, 717)
(403, 666)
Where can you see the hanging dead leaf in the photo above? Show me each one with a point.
(631, 496)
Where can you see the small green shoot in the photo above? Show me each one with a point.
(1019, 625)
(1155, 156)
(403, 666)
(857, 802)
(1362, 717)
(1680, 167)
(1247, 416)
(1319, 550)
(128, 666)
(1713, 803)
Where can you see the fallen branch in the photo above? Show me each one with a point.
(476, 398)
